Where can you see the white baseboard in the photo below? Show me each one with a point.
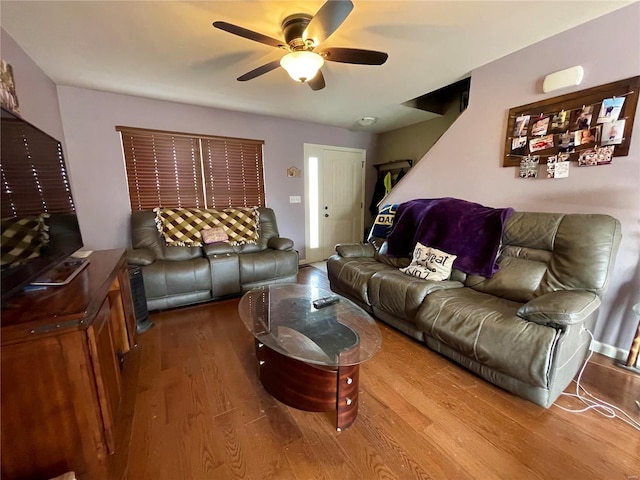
(609, 351)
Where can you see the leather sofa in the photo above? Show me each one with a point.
(523, 329)
(175, 275)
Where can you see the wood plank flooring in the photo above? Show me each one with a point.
(197, 411)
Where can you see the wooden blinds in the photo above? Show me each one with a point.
(233, 172)
(163, 170)
(168, 169)
(31, 182)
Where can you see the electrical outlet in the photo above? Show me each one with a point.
(295, 199)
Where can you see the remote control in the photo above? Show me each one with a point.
(326, 301)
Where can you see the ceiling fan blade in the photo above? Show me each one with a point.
(354, 55)
(250, 34)
(327, 20)
(317, 82)
(266, 68)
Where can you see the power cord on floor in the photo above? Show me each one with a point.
(592, 402)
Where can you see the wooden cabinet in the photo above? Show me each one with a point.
(62, 352)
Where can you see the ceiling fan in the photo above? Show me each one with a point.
(302, 35)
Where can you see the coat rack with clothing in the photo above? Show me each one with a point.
(389, 173)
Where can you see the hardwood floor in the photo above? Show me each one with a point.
(198, 411)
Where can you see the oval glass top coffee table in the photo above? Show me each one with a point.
(309, 357)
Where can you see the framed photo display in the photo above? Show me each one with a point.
(589, 119)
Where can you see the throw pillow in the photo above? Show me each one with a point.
(430, 263)
(213, 235)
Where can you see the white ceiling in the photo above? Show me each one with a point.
(168, 50)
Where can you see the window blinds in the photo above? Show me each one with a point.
(169, 169)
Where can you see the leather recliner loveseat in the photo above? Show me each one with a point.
(177, 275)
(523, 328)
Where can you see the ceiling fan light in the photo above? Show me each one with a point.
(302, 66)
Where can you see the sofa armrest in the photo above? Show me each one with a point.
(217, 248)
(280, 243)
(560, 308)
(353, 250)
(140, 257)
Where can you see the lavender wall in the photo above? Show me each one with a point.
(37, 96)
(88, 118)
(97, 167)
(466, 162)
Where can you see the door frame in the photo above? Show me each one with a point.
(316, 150)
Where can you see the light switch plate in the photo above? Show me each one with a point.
(295, 199)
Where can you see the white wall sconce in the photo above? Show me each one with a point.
(568, 77)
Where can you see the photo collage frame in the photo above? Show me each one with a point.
(589, 126)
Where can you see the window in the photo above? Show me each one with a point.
(314, 206)
(169, 169)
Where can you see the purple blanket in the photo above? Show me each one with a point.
(468, 230)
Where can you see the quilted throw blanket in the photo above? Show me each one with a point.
(182, 226)
(468, 230)
(23, 238)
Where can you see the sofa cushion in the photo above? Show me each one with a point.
(521, 271)
(582, 251)
(267, 265)
(545, 252)
(165, 278)
(267, 231)
(350, 275)
(401, 295)
(429, 263)
(481, 326)
(525, 254)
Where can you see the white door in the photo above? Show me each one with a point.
(334, 190)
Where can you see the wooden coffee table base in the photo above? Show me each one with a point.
(309, 387)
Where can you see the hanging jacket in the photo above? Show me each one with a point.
(387, 183)
(378, 194)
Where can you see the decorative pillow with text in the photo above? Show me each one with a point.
(430, 263)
